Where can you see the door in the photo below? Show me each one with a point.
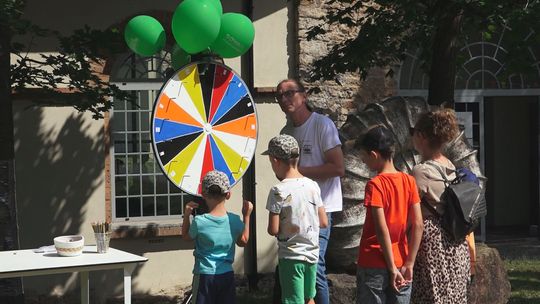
(511, 160)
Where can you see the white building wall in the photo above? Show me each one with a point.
(60, 190)
(60, 157)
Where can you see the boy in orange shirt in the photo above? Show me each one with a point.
(386, 256)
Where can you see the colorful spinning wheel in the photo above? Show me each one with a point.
(204, 119)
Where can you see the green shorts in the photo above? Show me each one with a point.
(297, 279)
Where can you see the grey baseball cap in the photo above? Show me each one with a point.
(215, 178)
(283, 147)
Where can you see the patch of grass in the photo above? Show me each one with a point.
(522, 262)
(524, 276)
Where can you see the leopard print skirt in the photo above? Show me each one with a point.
(442, 268)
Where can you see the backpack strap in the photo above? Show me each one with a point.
(430, 208)
(438, 168)
(446, 182)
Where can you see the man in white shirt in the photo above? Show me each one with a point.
(321, 159)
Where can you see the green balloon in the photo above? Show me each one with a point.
(235, 36)
(179, 57)
(195, 25)
(218, 6)
(144, 35)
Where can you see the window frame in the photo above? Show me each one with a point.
(157, 70)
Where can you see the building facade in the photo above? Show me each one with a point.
(73, 170)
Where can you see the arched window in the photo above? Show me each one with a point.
(139, 190)
(483, 66)
(482, 72)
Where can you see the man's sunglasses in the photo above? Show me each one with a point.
(286, 94)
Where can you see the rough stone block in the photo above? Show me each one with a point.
(490, 284)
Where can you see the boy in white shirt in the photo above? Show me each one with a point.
(296, 213)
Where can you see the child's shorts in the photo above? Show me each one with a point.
(297, 280)
(373, 286)
(214, 288)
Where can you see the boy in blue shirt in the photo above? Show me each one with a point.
(215, 234)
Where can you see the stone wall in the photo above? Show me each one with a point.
(346, 92)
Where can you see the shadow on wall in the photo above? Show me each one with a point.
(60, 158)
(292, 39)
(58, 170)
(59, 166)
(60, 174)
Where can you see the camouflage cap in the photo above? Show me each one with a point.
(215, 178)
(283, 147)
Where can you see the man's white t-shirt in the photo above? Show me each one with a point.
(296, 200)
(315, 136)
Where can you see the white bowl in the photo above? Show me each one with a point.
(69, 245)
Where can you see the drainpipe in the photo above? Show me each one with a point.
(538, 163)
(248, 180)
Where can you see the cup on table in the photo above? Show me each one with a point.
(102, 241)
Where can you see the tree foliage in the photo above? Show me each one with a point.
(68, 77)
(389, 28)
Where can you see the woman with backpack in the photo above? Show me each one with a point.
(442, 268)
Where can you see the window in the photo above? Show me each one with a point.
(139, 190)
(468, 114)
(483, 66)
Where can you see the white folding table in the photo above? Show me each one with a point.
(22, 263)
